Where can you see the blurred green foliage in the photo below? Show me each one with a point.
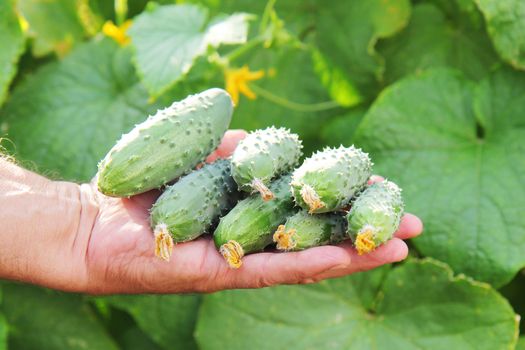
(434, 89)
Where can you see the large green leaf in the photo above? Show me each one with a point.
(521, 344)
(11, 43)
(513, 291)
(296, 97)
(42, 319)
(340, 130)
(3, 332)
(3, 328)
(169, 319)
(433, 40)
(506, 26)
(458, 155)
(346, 34)
(67, 115)
(54, 25)
(419, 305)
(168, 39)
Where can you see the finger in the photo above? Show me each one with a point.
(410, 227)
(375, 178)
(268, 269)
(229, 142)
(393, 251)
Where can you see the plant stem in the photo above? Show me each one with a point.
(235, 54)
(295, 106)
(121, 11)
(266, 16)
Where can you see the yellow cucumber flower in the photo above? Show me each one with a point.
(117, 33)
(237, 82)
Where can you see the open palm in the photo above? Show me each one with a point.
(120, 254)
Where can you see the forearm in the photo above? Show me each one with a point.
(41, 220)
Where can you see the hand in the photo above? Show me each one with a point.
(120, 253)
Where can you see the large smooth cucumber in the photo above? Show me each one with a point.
(166, 145)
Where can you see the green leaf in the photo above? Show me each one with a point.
(295, 91)
(42, 319)
(12, 46)
(135, 339)
(432, 40)
(513, 292)
(340, 130)
(3, 332)
(169, 319)
(168, 39)
(66, 116)
(458, 155)
(54, 25)
(419, 305)
(521, 343)
(506, 26)
(346, 34)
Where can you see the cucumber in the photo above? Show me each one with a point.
(375, 216)
(303, 230)
(329, 179)
(191, 206)
(262, 156)
(166, 145)
(249, 226)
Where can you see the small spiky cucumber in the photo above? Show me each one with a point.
(192, 205)
(262, 156)
(249, 226)
(329, 179)
(375, 216)
(166, 145)
(303, 230)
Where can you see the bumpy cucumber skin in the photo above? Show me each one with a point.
(334, 174)
(314, 230)
(166, 145)
(378, 209)
(193, 204)
(264, 155)
(252, 222)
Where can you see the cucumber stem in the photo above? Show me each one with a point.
(311, 198)
(285, 239)
(163, 242)
(232, 252)
(265, 192)
(364, 242)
